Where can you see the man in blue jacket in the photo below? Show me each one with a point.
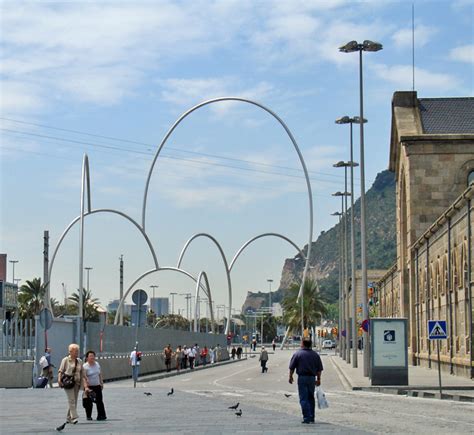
(308, 366)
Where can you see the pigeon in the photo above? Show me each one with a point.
(60, 428)
(239, 413)
(147, 394)
(234, 406)
(171, 392)
(287, 395)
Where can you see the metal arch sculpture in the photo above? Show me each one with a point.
(248, 242)
(295, 145)
(202, 275)
(144, 275)
(226, 265)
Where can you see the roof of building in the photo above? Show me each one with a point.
(447, 115)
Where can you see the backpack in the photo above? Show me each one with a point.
(139, 356)
(43, 362)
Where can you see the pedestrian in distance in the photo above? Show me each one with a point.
(254, 344)
(93, 386)
(239, 351)
(191, 357)
(197, 353)
(263, 359)
(178, 358)
(134, 361)
(213, 355)
(70, 379)
(47, 367)
(168, 353)
(233, 352)
(204, 353)
(308, 366)
(184, 360)
(274, 345)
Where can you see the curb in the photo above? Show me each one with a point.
(155, 377)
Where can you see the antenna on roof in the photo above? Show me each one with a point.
(413, 44)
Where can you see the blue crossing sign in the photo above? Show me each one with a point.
(437, 330)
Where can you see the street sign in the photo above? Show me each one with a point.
(437, 330)
(46, 318)
(139, 297)
(366, 325)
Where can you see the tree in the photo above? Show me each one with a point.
(172, 321)
(30, 298)
(89, 305)
(314, 306)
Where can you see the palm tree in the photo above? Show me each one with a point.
(30, 298)
(314, 305)
(89, 305)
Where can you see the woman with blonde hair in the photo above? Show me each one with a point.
(70, 379)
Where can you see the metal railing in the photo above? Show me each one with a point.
(17, 338)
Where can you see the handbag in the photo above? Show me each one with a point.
(68, 381)
(321, 398)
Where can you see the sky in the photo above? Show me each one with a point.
(108, 79)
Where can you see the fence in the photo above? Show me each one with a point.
(18, 339)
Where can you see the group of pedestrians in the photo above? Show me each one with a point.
(183, 356)
(74, 375)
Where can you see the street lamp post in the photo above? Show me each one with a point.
(341, 267)
(153, 287)
(270, 302)
(350, 121)
(88, 269)
(352, 47)
(13, 262)
(172, 294)
(188, 298)
(344, 196)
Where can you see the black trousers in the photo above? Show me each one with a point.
(88, 404)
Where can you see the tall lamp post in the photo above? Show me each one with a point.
(13, 262)
(153, 287)
(350, 121)
(347, 315)
(344, 195)
(341, 267)
(172, 294)
(351, 47)
(87, 269)
(270, 285)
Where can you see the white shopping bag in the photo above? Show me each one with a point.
(321, 398)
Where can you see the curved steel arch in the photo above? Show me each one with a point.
(227, 271)
(203, 274)
(290, 135)
(236, 256)
(143, 275)
(100, 210)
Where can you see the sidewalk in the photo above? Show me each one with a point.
(422, 382)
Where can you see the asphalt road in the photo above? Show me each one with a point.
(201, 399)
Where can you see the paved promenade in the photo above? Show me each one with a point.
(201, 398)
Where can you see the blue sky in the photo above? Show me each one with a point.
(74, 71)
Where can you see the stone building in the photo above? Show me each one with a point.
(432, 156)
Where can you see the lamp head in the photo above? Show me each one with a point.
(372, 46)
(343, 120)
(350, 47)
(356, 120)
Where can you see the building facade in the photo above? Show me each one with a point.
(432, 156)
(160, 306)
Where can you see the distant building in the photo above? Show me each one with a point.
(113, 306)
(160, 306)
(8, 291)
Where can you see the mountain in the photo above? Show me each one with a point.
(381, 245)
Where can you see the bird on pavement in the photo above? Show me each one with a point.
(287, 395)
(60, 428)
(234, 406)
(148, 394)
(171, 392)
(239, 413)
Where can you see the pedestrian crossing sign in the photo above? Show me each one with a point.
(437, 330)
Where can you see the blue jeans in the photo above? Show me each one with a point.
(135, 370)
(306, 386)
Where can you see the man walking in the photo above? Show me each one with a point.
(263, 359)
(134, 361)
(308, 366)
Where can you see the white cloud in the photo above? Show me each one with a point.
(401, 76)
(464, 53)
(423, 34)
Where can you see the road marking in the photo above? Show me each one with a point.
(185, 379)
(248, 379)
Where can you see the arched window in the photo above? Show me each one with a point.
(470, 177)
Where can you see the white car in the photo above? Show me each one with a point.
(328, 344)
